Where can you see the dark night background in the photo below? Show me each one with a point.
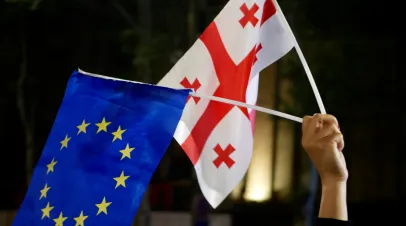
(353, 49)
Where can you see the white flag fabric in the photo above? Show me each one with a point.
(246, 37)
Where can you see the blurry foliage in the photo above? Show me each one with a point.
(157, 51)
(167, 35)
(169, 39)
(26, 4)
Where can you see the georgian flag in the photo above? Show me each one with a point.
(246, 37)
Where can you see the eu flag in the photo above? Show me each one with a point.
(105, 144)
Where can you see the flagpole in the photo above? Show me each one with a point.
(218, 99)
(245, 105)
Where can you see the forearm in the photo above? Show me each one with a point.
(334, 201)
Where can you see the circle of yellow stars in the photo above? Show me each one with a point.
(120, 180)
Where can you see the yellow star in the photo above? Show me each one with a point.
(82, 127)
(103, 206)
(51, 165)
(46, 211)
(59, 221)
(126, 152)
(44, 192)
(65, 142)
(118, 133)
(80, 220)
(102, 125)
(121, 179)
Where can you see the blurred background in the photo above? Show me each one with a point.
(353, 49)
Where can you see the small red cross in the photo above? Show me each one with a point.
(249, 15)
(224, 156)
(195, 86)
(257, 49)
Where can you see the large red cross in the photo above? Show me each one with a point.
(233, 81)
(224, 156)
(249, 15)
(195, 86)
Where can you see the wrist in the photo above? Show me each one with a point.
(334, 185)
(334, 200)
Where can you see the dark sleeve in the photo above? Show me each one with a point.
(331, 222)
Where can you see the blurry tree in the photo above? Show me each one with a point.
(26, 108)
(144, 70)
(155, 44)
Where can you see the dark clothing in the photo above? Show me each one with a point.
(331, 222)
(158, 191)
(202, 223)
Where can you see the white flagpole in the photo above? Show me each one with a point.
(219, 99)
(257, 108)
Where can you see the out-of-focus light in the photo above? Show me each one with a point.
(236, 193)
(259, 176)
(284, 158)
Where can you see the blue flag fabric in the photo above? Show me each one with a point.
(105, 144)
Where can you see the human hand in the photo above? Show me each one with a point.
(324, 143)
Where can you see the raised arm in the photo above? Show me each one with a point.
(324, 143)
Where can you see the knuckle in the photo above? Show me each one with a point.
(306, 117)
(333, 118)
(317, 117)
